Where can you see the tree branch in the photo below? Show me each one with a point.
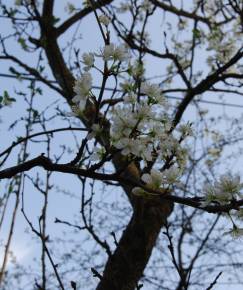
(80, 15)
(204, 85)
(181, 12)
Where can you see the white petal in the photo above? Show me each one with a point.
(82, 104)
(76, 99)
(146, 178)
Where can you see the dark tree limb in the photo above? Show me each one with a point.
(180, 12)
(125, 267)
(79, 16)
(159, 197)
(204, 85)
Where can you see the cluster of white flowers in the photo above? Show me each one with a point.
(144, 6)
(141, 127)
(95, 131)
(153, 91)
(88, 60)
(136, 69)
(98, 154)
(221, 53)
(223, 191)
(131, 129)
(82, 89)
(235, 232)
(83, 85)
(105, 20)
(124, 7)
(222, 42)
(157, 179)
(115, 53)
(186, 129)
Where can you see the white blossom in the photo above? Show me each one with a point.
(116, 53)
(154, 179)
(108, 52)
(124, 7)
(81, 105)
(146, 5)
(82, 89)
(127, 86)
(153, 91)
(123, 123)
(88, 60)
(128, 146)
(171, 175)
(104, 19)
(235, 232)
(121, 53)
(146, 153)
(229, 183)
(136, 69)
(98, 154)
(95, 131)
(130, 98)
(143, 111)
(186, 130)
(224, 190)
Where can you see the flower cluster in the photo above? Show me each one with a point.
(235, 232)
(88, 60)
(115, 53)
(140, 127)
(223, 191)
(157, 179)
(83, 85)
(98, 154)
(82, 89)
(104, 20)
(144, 6)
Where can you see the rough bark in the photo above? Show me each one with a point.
(126, 266)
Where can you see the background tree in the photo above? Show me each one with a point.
(142, 171)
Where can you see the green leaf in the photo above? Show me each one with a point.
(6, 100)
(196, 33)
(55, 20)
(23, 44)
(35, 114)
(19, 139)
(39, 91)
(10, 189)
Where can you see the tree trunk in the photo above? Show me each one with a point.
(125, 267)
